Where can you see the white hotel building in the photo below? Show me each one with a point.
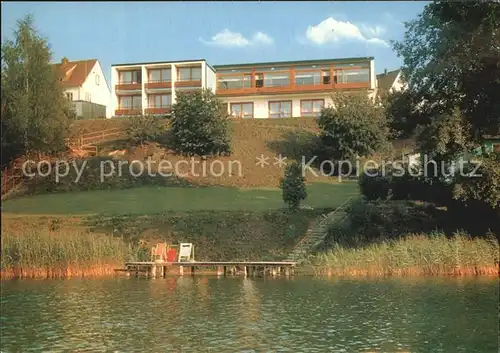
(259, 90)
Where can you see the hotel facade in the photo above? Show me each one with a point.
(259, 90)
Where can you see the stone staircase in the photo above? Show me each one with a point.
(316, 234)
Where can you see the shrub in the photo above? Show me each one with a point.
(199, 125)
(293, 186)
(90, 178)
(381, 220)
(354, 126)
(147, 128)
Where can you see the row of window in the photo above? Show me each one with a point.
(88, 96)
(283, 79)
(161, 75)
(280, 109)
(154, 101)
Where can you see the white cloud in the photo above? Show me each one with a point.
(332, 30)
(372, 31)
(227, 38)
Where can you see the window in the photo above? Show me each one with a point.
(88, 97)
(159, 100)
(277, 79)
(189, 74)
(130, 102)
(242, 110)
(326, 76)
(308, 78)
(280, 109)
(312, 107)
(259, 80)
(338, 76)
(129, 77)
(231, 82)
(359, 75)
(160, 75)
(69, 96)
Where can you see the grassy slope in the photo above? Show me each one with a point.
(151, 200)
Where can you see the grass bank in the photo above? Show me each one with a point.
(417, 254)
(60, 246)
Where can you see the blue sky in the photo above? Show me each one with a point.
(220, 32)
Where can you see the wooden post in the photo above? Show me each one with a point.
(181, 270)
(225, 271)
(220, 271)
(153, 271)
(245, 271)
(273, 269)
(192, 270)
(287, 271)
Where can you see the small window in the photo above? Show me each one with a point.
(97, 80)
(326, 76)
(281, 109)
(311, 108)
(259, 80)
(242, 110)
(69, 96)
(88, 97)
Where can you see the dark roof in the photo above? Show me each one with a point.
(320, 61)
(386, 80)
(74, 73)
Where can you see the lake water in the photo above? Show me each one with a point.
(207, 314)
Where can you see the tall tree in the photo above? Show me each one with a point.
(35, 113)
(452, 58)
(353, 126)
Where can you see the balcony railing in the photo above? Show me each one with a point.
(128, 111)
(128, 86)
(292, 80)
(159, 84)
(190, 83)
(159, 110)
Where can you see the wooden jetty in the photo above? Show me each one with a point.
(224, 268)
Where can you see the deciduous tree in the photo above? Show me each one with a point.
(35, 113)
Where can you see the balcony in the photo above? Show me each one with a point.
(128, 86)
(159, 110)
(159, 85)
(292, 80)
(190, 83)
(128, 111)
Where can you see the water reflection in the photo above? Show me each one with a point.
(207, 314)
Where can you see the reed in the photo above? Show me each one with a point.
(416, 254)
(62, 253)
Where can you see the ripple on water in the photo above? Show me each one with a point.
(235, 315)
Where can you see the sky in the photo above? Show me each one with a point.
(220, 32)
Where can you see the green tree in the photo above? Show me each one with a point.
(35, 113)
(150, 128)
(451, 53)
(354, 126)
(293, 186)
(199, 125)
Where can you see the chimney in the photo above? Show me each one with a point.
(385, 71)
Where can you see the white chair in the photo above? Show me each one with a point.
(186, 252)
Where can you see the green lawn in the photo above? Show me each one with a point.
(151, 200)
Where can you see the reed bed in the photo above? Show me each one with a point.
(414, 255)
(61, 253)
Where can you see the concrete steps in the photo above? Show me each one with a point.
(316, 234)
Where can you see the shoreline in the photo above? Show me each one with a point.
(113, 271)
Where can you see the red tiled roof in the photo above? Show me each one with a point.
(74, 73)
